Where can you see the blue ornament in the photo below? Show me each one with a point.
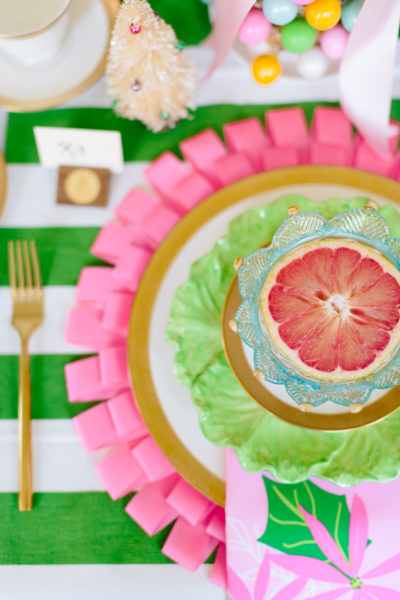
(350, 12)
(280, 12)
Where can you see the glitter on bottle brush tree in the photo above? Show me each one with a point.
(149, 76)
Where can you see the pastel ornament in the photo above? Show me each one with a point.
(323, 14)
(266, 68)
(255, 28)
(334, 41)
(280, 12)
(350, 12)
(313, 64)
(135, 29)
(298, 36)
(303, 2)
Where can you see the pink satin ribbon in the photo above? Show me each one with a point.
(229, 15)
(367, 72)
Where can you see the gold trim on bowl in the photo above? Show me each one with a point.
(236, 358)
(3, 183)
(138, 339)
(18, 105)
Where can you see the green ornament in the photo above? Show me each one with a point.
(165, 116)
(180, 45)
(298, 36)
(350, 13)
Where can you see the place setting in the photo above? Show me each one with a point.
(207, 305)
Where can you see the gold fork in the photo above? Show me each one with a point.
(27, 295)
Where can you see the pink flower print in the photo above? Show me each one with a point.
(342, 571)
(239, 591)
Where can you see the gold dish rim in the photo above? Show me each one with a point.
(236, 358)
(18, 105)
(149, 405)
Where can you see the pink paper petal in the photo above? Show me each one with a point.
(292, 590)
(382, 593)
(325, 541)
(149, 508)
(189, 503)
(261, 585)
(389, 566)
(309, 567)
(216, 524)
(236, 587)
(187, 545)
(331, 595)
(218, 574)
(358, 534)
(95, 428)
(152, 460)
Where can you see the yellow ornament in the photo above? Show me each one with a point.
(323, 14)
(266, 68)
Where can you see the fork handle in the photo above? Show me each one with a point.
(24, 420)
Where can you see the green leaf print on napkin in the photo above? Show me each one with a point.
(286, 528)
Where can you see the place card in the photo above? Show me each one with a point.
(79, 147)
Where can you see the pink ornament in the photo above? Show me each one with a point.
(255, 28)
(303, 2)
(333, 42)
(135, 28)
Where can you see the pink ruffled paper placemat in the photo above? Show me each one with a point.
(104, 298)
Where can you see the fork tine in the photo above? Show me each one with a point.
(12, 270)
(36, 269)
(21, 278)
(28, 269)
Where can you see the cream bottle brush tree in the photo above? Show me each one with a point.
(148, 76)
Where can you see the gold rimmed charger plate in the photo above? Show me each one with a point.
(12, 104)
(149, 404)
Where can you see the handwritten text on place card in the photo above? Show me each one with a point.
(79, 147)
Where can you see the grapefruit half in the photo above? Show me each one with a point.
(333, 308)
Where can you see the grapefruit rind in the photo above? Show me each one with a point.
(361, 227)
(273, 326)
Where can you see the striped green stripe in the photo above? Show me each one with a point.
(49, 395)
(63, 252)
(138, 142)
(74, 528)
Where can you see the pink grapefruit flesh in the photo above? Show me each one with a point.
(334, 308)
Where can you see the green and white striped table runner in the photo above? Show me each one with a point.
(77, 543)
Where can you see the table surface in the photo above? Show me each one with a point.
(61, 466)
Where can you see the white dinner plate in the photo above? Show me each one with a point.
(165, 404)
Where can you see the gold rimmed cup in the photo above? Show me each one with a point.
(32, 33)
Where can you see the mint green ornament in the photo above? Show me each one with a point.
(298, 36)
(350, 12)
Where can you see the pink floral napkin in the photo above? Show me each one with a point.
(311, 540)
